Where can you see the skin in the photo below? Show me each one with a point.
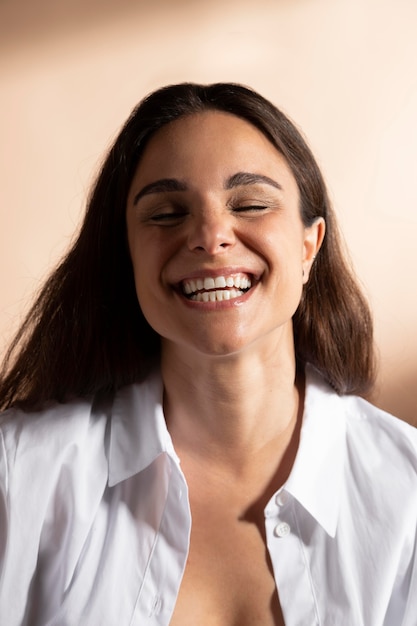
(233, 403)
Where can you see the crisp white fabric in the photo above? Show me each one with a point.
(95, 522)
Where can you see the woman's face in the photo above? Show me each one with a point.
(215, 235)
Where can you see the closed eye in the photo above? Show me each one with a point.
(173, 216)
(249, 208)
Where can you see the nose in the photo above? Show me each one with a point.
(211, 232)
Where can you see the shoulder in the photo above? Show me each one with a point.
(379, 437)
(45, 440)
(380, 467)
(370, 433)
(377, 451)
(58, 421)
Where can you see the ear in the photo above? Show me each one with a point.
(313, 238)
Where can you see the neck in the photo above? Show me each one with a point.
(244, 404)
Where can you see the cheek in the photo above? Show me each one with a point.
(283, 251)
(145, 285)
(284, 248)
(142, 253)
(149, 303)
(148, 263)
(142, 271)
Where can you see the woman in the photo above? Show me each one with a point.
(183, 443)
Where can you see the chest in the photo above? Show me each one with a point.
(228, 578)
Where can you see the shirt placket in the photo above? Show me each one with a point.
(291, 571)
(163, 577)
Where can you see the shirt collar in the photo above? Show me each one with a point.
(138, 432)
(317, 474)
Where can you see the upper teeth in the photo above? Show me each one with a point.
(219, 282)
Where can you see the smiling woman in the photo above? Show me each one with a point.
(88, 310)
(205, 315)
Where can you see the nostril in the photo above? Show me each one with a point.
(212, 238)
(211, 249)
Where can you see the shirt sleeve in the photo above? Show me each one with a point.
(53, 474)
(18, 555)
(8, 560)
(4, 475)
(34, 521)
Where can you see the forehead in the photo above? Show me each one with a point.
(210, 140)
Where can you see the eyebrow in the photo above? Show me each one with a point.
(247, 178)
(173, 184)
(160, 186)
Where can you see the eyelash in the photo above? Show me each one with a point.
(252, 207)
(179, 215)
(161, 217)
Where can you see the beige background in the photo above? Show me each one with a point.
(344, 70)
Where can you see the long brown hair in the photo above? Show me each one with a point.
(86, 334)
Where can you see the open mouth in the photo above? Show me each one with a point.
(216, 288)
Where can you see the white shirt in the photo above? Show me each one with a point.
(95, 520)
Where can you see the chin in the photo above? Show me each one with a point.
(207, 347)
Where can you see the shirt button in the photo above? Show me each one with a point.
(281, 498)
(282, 529)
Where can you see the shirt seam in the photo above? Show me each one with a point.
(6, 463)
(319, 622)
(152, 552)
(6, 506)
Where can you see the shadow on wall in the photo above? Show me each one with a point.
(397, 394)
(23, 21)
